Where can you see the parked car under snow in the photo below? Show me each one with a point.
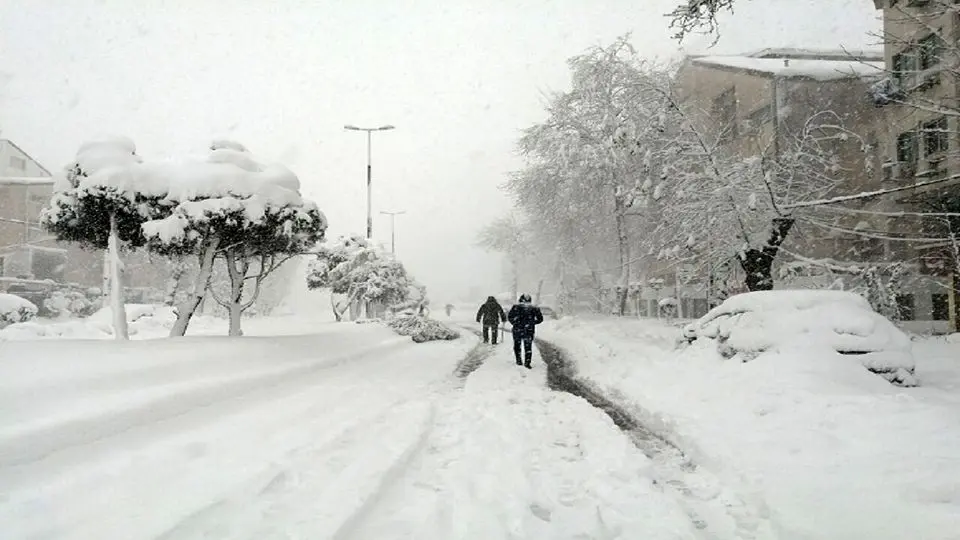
(749, 324)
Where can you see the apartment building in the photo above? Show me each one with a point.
(920, 109)
(753, 102)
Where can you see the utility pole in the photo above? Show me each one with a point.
(393, 237)
(369, 171)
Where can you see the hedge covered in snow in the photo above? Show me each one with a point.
(422, 329)
(14, 309)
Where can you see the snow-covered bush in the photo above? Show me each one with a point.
(14, 309)
(69, 304)
(422, 329)
(358, 270)
(747, 325)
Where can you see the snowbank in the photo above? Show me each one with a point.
(824, 447)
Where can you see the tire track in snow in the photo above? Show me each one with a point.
(322, 489)
(715, 510)
(475, 358)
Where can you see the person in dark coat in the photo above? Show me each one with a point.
(524, 317)
(490, 315)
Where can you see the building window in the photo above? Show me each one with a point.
(18, 163)
(931, 49)
(760, 116)
(905, 307)
(904, 67)
(725, 113)
(935, 139)
(907, 147)
(940, 307)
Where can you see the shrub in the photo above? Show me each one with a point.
(14, 309)
(422, 329)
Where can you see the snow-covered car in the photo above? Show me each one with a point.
(749, 324)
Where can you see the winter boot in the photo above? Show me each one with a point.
(519, 363)
(527, 364)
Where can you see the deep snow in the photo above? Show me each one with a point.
(129, 440)
(329, 431)
(825, 448)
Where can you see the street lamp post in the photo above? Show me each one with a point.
(369, 171)
(393, 237)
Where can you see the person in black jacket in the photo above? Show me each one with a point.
(491, 315)
(524, 317)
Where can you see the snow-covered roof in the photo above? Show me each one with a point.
(26, 180)
(875, 54)
(821, 70)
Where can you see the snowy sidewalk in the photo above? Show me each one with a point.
(507, 458)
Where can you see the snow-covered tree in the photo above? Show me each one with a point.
(359, 271)
(715, 205)
(509, 237)
(232, 207)
(90, 208)
(596, 147)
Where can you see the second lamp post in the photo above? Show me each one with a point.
(369, 171)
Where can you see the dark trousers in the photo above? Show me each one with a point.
(490, 329)
(527, 343)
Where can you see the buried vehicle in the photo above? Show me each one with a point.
(749, 324)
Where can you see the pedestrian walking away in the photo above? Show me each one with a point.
(524, 316)
(490, 315)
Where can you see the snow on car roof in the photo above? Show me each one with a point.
(785, 299)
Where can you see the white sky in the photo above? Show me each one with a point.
(459, 79)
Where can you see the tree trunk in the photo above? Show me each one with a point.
(173, 284)
(237, 270)
(562, 299)
(678, 291)
(758, 263)
(339, 311)
(597, 290)
(333, 305)
(105, 280)
(623, 245)
(539, 292)
(954, 297)
(116, 283)
(189, 306)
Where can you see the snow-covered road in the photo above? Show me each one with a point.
(348, 434)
